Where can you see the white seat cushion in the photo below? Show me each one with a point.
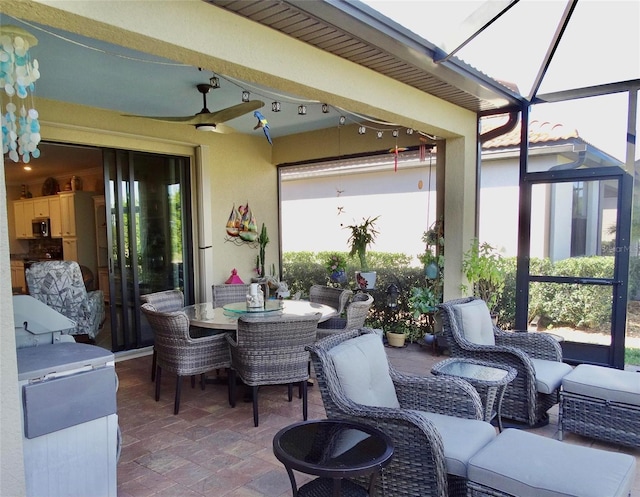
(475, 322)
(549, 374)
(528, 465)
(363, 370)
(603, 383)
(461, 439)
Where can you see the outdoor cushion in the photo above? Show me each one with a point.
(461, 439)
(549, 374)
(528, 465)
(363, 370)
(475, 319)
(603, 383)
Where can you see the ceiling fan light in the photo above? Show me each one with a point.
(214, 81)
(246, 96)
(206, 127)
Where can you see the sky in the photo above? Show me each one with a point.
(600, 45)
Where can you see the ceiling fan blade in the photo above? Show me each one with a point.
(211, 118)
(224, 115)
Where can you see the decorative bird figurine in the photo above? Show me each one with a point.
(262, 123)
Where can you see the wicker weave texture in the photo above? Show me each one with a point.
(228, 294)
(333, 297)
(521, 401)
(177, 351)
(166, 301)
(417, 468)
(357, 312)
(603, 420)
(271, 351)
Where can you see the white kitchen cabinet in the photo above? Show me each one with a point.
(54, 217)
(78, 228)
(70, 249)
(68, 214)
(41, 207)
(18, 282)
(23, 215)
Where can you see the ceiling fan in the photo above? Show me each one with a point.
(205, 120)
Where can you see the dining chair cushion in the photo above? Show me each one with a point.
(475, 318)
(362, 368)
(549, 374)
(461, 439)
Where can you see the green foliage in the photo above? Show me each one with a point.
(335, 261)
(482, 266)
(362, 235)
(585, 306)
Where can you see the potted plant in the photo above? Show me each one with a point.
(362, 235)
(336, 265)
(482, 265)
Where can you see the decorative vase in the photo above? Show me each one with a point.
(338, 277)
(366, 280)
(395, 339)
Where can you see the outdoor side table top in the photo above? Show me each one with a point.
(485, 376)
(333, 450)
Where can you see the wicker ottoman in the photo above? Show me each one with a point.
(602, 403)
(521, 464)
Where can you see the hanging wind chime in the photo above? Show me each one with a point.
(18, 74)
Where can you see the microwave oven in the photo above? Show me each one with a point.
(41, 227)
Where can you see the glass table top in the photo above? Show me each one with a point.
(270, 306)
(465, 369)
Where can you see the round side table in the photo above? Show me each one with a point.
(333, 450)
(487, 377)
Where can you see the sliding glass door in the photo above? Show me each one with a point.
(148, 202)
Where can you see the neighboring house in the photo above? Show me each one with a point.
(568, 219)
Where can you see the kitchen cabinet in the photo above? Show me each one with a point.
(18, 282)
(41, 207)
(102, 249)
(23, 214)
(78, 228)
(55, 220)
(68, 214)
(103, 282)
(70, 249)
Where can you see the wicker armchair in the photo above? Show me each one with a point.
(357, 312)
(428, 460)
(60, 285)
(166, 301)
(179, 353)
(537, 358)
(227, 294)
(271, 351)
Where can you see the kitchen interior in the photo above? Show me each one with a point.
(56, 211)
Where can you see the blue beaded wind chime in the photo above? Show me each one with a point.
(18, 74)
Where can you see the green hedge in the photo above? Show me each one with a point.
(584, 306)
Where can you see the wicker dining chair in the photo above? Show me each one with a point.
(271, 351)
(338, 298)
(356, 314)
(165, 301)
(179, 353)
(537, 357)
(435, 423)
(228, 294)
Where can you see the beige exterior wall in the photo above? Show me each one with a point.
(229, 168)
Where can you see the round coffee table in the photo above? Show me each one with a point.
(333, 450)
